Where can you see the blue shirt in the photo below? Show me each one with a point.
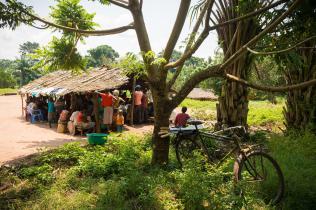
(50, 107)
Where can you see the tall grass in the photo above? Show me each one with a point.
(296, 156)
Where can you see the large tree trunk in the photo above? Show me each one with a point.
(161, 113)
(232, 109)
(300, 109)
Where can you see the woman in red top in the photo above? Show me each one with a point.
(107, 103)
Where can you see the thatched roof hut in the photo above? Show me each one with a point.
(202, 94)
(64, 82)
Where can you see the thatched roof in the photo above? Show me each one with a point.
(202, 94)
(64, 82)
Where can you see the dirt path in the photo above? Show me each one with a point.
(18, 137)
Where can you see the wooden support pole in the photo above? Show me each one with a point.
(22, 105)
(133, 101)
(96, 112)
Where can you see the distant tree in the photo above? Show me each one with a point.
(28, 48)
(7, 79)
(24, 64)
(101, 55)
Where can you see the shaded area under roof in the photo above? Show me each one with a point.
(202, 94)
(64, 82)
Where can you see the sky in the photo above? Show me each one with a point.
(159, 17)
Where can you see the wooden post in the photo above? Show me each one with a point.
(72, 102)
(96, 112)
(133, 101)
(22, 105)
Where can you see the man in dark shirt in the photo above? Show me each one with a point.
(182, 118)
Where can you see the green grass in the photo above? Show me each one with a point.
(197, 104)
(261, 113)
(7, 90)
(296, 156)
(117, 176)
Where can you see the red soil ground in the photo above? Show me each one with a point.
(19, 138)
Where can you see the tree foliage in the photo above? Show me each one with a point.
(101, 55)
(61, 53)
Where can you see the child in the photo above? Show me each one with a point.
(182, 118)
(51, 112)
(119, 121)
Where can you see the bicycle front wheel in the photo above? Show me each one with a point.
(259, 174)
(184, 149)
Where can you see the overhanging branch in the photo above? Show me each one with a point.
(246, 16)
(83, 32)
(281, 51)
(270, 27)
(269, 88)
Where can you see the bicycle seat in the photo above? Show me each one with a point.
(195, 122)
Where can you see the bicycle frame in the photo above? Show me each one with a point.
(216, 136)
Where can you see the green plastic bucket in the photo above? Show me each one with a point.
(97, 138)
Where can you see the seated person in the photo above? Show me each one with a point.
(81, 121)
(84, 121)
(63, 116)
(182, 118)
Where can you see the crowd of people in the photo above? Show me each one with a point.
(114, 110)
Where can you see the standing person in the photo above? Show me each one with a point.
(150, 108)
(138, 94)
(107, 104)
(117, 100)
(51, 111)
(145, 106)
(119, 121)
(182, 118)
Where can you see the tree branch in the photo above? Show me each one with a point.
(211, 71)
(281, 51)
(196, 45)
(143, 38)
(177, 28)
(269, 88)
(205, 33)
(271, 26)
(120, 3)
(83, 32)
(217, 70)
(195, 29)
(246, 16)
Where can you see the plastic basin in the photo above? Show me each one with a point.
(97, 138)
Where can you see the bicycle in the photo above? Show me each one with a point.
(254, 169)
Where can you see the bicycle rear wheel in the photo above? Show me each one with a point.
(258, 173)
(184, 149)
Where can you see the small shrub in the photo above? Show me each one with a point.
(67, 154)
(42, 174)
